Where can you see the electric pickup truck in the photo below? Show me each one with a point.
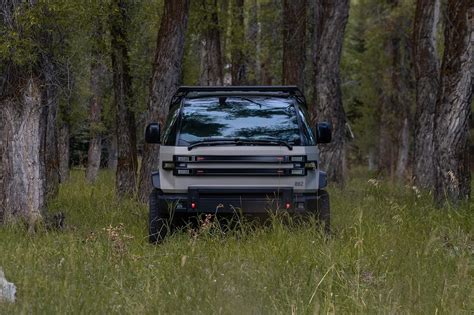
(237, 150)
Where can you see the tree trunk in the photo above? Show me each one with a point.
(22, 185)
(28, 111)
(211, 56)
(238, 59)
(112, 153)
(49, 130)
(395, 99)
(371, 160)
(453, 178)
(315, 22)
(95, 108)
(254, 38)
(125, 118)
(165, 80)
(294, 37)
(3, 146)
(403, 150)
(64, 153)
(95, 111)
(328, 107)
(427, 86)
(402, 80)
(226, 26)
(271, 67)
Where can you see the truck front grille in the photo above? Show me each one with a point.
(222, 165)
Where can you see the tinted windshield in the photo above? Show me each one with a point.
(250, 117)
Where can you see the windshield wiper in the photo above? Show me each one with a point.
(211, 141)
(238, 141)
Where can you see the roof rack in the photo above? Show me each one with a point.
(291, 90)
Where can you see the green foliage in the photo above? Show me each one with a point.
(145, 23)
(17, 40)
(391, 252)
(366, 65)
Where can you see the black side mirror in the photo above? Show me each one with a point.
(152, 133)
(323, 132)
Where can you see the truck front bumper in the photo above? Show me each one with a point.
(251, 201)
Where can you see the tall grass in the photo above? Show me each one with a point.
(391, 252)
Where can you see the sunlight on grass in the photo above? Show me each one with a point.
(391, 252)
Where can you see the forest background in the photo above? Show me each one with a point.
(81, 79)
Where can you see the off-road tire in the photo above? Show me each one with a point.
(157, 220)
(323, 210)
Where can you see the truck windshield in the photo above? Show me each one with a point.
(247, 118)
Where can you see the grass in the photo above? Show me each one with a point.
(391, 252)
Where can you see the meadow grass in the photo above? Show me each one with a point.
(391, 252)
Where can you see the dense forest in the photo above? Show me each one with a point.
(79, 80)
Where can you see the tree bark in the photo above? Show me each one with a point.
(125, 119)
(95, 108)
(165, 81)
(238, 58)
(453, 108)
(427, 86)
(22, 179)
(294, 38)
(211, 56)
(328, 98)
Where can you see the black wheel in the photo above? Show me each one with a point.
(157, 220)
(324, 210)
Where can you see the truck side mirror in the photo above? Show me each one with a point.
(323, 132)
(152, 133)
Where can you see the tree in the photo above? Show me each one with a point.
(65, 120)
(165, 81)
(271, 42)
(125, 118)
(328, 99)
(238, 58)
(23, 174)
(95, 105)
(53, 42)
(453, 108)
(427, 85)
(211, 56)
(254, 40)
(294, 37)
(50, 99)
(395, 96)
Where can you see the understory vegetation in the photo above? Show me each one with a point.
(391, 252)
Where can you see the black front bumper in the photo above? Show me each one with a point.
(251, 201)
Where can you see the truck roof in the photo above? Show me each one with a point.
(273, 90)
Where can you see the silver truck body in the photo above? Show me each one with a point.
(244, 149)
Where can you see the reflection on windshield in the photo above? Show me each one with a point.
(235, 117)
